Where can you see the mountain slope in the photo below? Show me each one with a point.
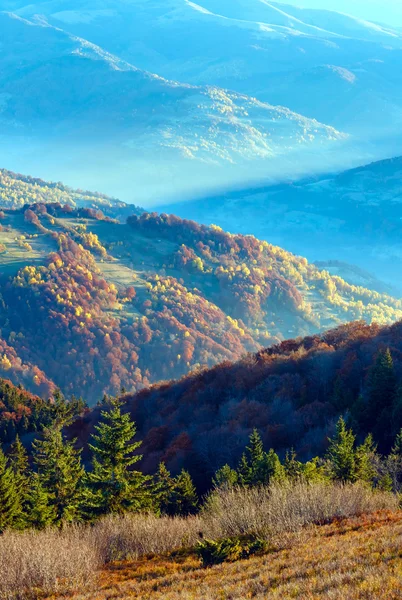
(293, 393)
(129, 304)
(354, 216)
(69, 98)
(17, 190)
(259, 48)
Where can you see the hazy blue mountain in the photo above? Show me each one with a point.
(354, 217)
(66, 100)
(342, 67)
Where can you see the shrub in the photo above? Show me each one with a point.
(33, 563)
(131, 536)
(265, 511)
(213, 552)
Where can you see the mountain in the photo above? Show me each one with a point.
(353, 216)
(18, 190)
(69, 103)
(259, 48)
(293, 393)
(131, 304)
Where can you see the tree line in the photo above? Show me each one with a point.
(52, 486)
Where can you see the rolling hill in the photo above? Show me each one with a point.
(293, 393)
(68, 102)
(128, 304)
(352, 216)
(262, 49)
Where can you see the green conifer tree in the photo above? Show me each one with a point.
(293, 467)
(341, 454)
(225, 477)
(184, 497)
(365, 461)
(18, 461)
(162, 491)
(115, 485)
(258, 467)
(61, 474)
(381, 397)
(10, 505)
(40, 510)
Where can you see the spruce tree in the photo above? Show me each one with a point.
(116, 486)
(61, 474)
(382, 394)
(10, 504)
(162, 490)
(341, 454)
(225, 477)
(293, 467)
(18, 461)
(40, 510)
(364, 460)
(184, 497)
(258, 467)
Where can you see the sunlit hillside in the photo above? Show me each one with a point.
(129, 304)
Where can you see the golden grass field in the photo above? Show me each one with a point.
(355, 558)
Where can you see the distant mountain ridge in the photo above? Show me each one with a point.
(259, 48)
(354, 216)
(66, 98)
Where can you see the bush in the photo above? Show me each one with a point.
(133, 535)
(34, 563)
(265, 511)
(229, 549)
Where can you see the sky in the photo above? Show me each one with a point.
(383, 11)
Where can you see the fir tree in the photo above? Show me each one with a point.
(40, 511)
(341, 455)
(184, 497)
(293, 468)
(162, 491)
(258, 467)
(116, 486)
(18, 461)
(225, 477)
(397, 447)
(364, 460)
(10, 504)
(382, 393)
(252, 464)
(61, 474)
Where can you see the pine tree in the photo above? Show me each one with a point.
(40, 511)
(61, 474)
(341, 454)
(184, 497)
(258, 467)
(397, 447)
(10, 505)
(364, 460)
(225, 477)
(162, 491)
(18, 461)
(116, 486)
(252, 464)
(382, 394)
(293, 468)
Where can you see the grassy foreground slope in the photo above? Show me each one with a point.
(357, 558)
(135, 303)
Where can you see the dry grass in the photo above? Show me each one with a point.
(33, 564)
(132, 536)
(268, 511)
(359, 558)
